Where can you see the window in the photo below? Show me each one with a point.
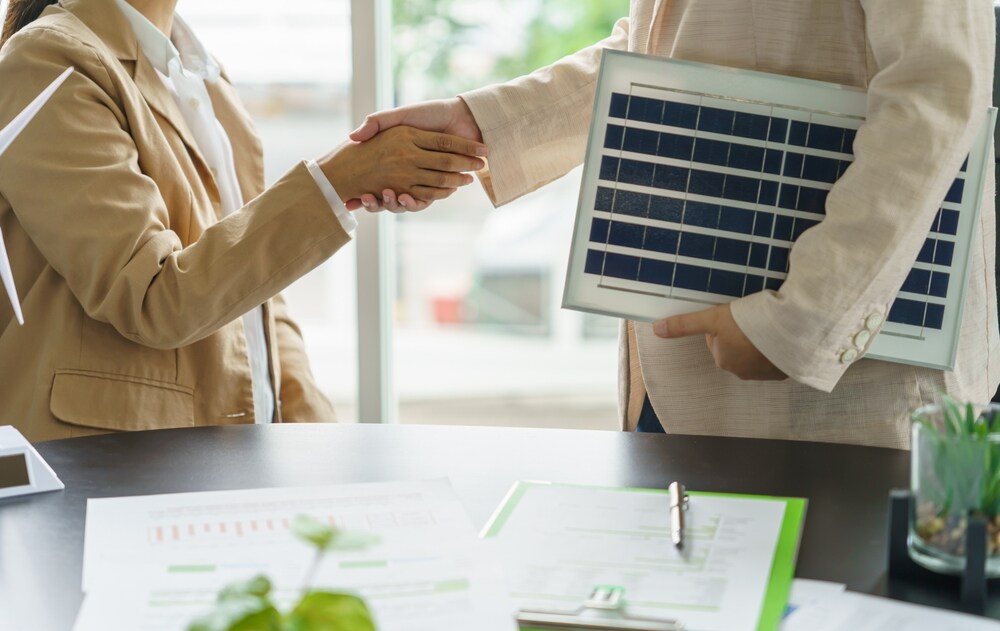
(291, 63)
(480, 336)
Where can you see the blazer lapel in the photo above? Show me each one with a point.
(106, 20)
(247, 149)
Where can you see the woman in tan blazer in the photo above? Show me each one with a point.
(789, 363)
(142, 280)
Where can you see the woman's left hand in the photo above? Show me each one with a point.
(732, 350)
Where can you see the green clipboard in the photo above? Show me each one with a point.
(616, 618)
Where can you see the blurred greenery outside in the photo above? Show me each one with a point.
(431, 36)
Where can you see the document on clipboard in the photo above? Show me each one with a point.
(562, 541)
(7, 136)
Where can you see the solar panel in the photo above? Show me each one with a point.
(698, 179)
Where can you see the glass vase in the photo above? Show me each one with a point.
(955, 472)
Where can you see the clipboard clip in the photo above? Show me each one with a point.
(603, 611)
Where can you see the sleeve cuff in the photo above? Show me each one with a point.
(347, 220)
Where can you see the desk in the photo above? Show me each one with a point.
(41, 537)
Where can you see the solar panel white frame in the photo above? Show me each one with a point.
(748, 94)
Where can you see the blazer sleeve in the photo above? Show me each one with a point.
(300, 396)
(75, 183)
(925, 104)
(536, 126)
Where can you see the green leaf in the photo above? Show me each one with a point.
(327, 611)
(313, 531)
(327, 538)
(258, 586)
(240, 613)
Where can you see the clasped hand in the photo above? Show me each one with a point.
(421, 164)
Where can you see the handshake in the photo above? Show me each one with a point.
(406, 158)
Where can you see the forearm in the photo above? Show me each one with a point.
(924, 106)
(536, 126)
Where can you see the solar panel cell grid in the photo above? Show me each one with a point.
(732, 189)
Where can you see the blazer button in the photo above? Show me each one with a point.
(862, 338)
(873, 321)
(848, 356)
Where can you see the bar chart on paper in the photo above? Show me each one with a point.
(699, 179)
(219, 529)
(155, 563)
(269, 523)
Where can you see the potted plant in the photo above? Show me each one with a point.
(955, 474)
(248, 605)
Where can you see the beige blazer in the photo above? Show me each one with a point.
(132, 286)
(928, 68)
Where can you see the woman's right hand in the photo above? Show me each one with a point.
(450, 116)
(426, 165)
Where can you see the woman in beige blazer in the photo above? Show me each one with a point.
(133, 277)
(785, 364)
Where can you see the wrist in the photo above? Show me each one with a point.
(335, 170)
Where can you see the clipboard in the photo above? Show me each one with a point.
(622, 536)
(603, 611)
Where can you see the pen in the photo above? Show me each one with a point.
(678, 502)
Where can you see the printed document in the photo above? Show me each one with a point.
(155, 563)
(733, 572)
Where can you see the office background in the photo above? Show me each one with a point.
(459, 306)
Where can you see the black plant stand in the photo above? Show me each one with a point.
(973, 584)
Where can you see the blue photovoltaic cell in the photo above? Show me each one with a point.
(783, 227)
(595, 263)
(675, 146)
(736, 220)
(613, 137)
(946, 222)
(701, 214)
(801, 225)
(626, 234)
(798, 132)
(645, 110)
(763, 224)
(666, 208)
(716, 121)
(698, 246)
(751, 126)
(632, 203)
(955, 192)
(917, 281)
(732, 251)
(905, 311)
(599, 230)
(604, 199)
(935, 316)
(619, 106)
(726, 283)
(691, 277)
(825, 137)
(662, 240)
(705, 157)
(753, 284)
(641, 141)
(772, 161)
(672, 178)
(680, 115)
(656, 272)
(793, 164)
(621, 266)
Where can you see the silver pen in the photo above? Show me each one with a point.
(678, 504)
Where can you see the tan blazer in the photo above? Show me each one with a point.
(132, 286)
(928, 68)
